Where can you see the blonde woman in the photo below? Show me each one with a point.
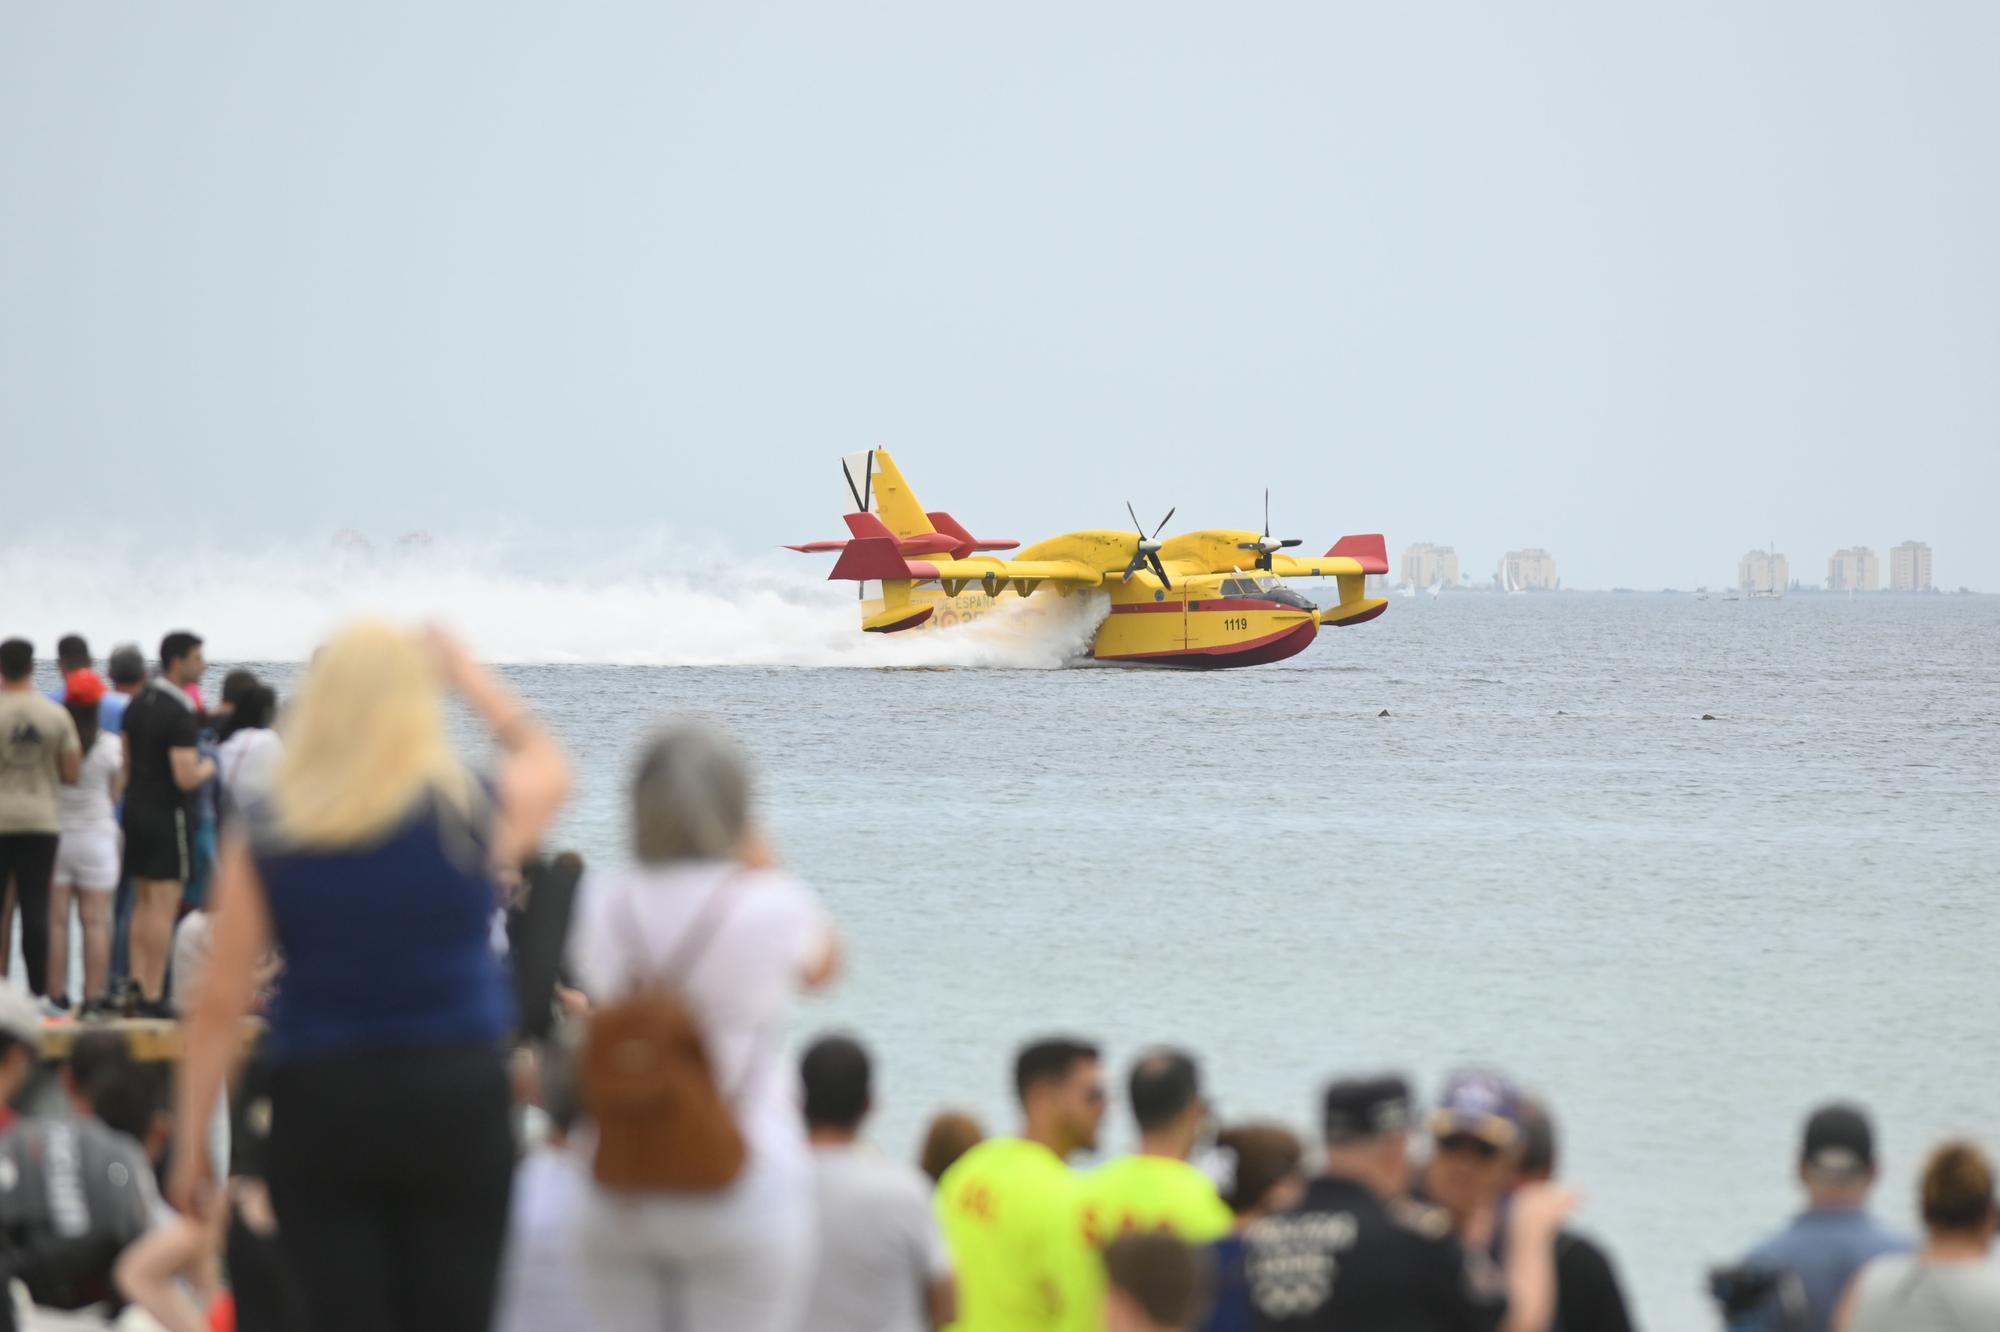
(372, 866)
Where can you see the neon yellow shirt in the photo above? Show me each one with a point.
(1149, 1193)
(1152, 1193)
(1011, 1212)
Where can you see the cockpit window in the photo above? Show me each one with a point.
(1265, 589)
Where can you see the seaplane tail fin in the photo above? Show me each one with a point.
(1371, 552)
(874, 482)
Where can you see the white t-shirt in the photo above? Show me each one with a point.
(86, 808)
(740, 989)
(194, 938)
(879, 1244)
(1903, 1293)
(246, 762)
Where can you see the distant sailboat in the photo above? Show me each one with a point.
(1436, 588)
(1407, 590)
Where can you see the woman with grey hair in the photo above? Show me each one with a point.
(703, 889)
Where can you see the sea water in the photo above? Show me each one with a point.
(1684, 933)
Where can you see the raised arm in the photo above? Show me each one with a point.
(534, 775)
(1539, 1212)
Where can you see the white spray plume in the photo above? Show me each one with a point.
(649, 603)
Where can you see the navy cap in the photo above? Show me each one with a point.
(1481, 1104)
(1362, 1108)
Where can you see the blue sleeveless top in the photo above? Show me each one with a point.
(386, 946)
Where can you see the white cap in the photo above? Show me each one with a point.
(20, 1018)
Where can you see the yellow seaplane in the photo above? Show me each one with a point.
(1202, 599)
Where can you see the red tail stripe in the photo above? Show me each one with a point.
(1370, 551)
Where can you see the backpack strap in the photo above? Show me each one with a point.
(694, 941)
(687, 955)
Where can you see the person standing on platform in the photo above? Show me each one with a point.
(39, 754)
(72, 655)
(125, 668)
(164, 769)
(1012, 1209)
(87, 855)
(372, 866)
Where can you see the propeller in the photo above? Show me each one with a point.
(1266, 547)
(1147, 553)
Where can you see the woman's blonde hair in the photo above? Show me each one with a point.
(364, 740)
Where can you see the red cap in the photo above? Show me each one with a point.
(84, 686)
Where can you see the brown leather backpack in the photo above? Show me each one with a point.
(663, 1125)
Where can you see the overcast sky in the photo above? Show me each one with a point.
(1646, 285)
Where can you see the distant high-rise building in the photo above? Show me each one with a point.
(1763, 573)
(1425, 564)
(1910, 567)
(1853, 570)
(1531, 570)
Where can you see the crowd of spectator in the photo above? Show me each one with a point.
(385, 1116)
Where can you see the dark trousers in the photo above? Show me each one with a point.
(121, 932)
(267, 1299)
(27, 863)
(390, 1173)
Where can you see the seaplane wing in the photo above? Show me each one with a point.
(868, 558)
(1222, 551)
(1349, 558)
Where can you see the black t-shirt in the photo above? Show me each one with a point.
(1588, 1298)
(157, 721)
(1345, 1261)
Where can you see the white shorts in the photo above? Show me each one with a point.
(88, 860)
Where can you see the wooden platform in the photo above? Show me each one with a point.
(151, 1040)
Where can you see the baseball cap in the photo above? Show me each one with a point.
(1360, 1108)
(1481, 1104)
(19, 1018)
(1838, 1140)
(85, 686)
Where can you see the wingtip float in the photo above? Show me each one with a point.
(1203, 599)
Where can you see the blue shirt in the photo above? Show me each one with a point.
(386, 946)
(1825, 1248)
(111, 713)
(1230, 1311)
